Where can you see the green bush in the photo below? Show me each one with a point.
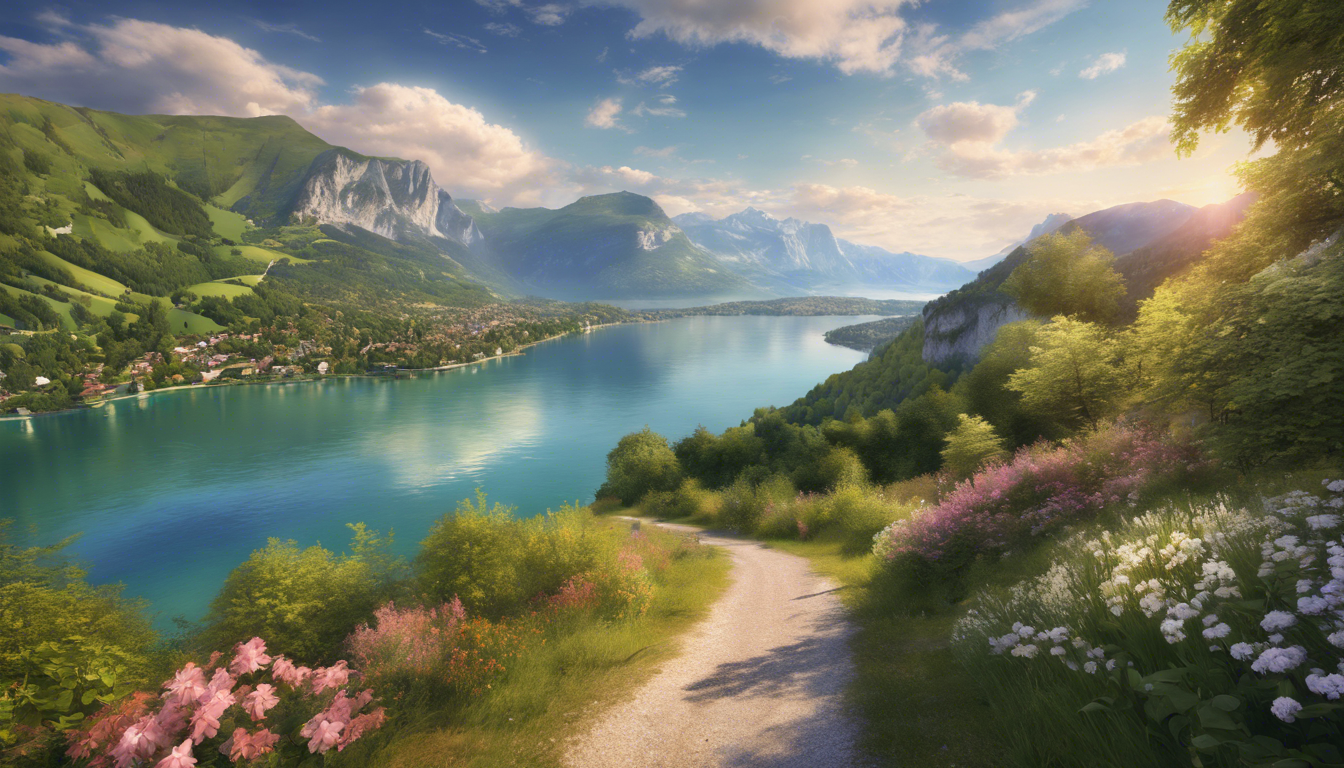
(303, 601)
(641, 462)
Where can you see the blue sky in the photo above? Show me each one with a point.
(946, 127)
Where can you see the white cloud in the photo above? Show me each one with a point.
(457, 41)
(284, 29)
(145, 67)
(856, 35)
(779, 79)
(936, 55)
(971, 121)
(604, 114)
(1105, 64)
(467, 154)
(545, 14)
(503, 29)
(664, 110)
(662, 76)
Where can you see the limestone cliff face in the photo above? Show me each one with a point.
(393, 198)
(960, 332)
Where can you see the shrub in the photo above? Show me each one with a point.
(243, 711)
(641, 462)
(841, 467)
(971, 445)
(306, 600)
(745, 504)
(688, 500)
(1211, 636)
(419, 652)
(1038, 492)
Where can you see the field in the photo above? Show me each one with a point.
(227, 290)
(262, 256)
(182, 321)
(226, 223)
(100, 283)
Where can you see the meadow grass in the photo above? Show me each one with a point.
(216, 288)
(555, 689)
(94, 281)
(262, 256)
(226, 223)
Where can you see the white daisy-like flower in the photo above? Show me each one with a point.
(1286, 709)
(1276, 620)
(1242, 651)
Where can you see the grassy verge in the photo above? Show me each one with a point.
(555, 688)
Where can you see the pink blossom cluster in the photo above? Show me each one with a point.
(578, 593)
(410, 639)
(1040, 490)
(198, 702)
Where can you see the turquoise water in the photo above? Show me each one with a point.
(171, 491)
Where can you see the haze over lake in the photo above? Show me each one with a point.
(171, 491)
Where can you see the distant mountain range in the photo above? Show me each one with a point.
(1052, 222)
(795, 255)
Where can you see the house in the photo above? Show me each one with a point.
(322, 367)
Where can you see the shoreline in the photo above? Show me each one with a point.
(305, 379)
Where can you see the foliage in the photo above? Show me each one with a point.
(148, 194)
(1075, 370)
(641, 462)
(62, 683)
(306, 600)
(1006, 506)
(984, 389)
(866, 336)
(44, 600)
(1067, 275)
(1187, 637)
(971, 445)
(258, 706)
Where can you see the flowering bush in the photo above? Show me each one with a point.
(256, 706)
(420, 651)
(1217, 633)
(1041, 490)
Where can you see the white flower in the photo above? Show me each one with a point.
(1275, 638)
(1312, 606)
(1276, 620)
(1026, 651)
(1278, 660)
(1242, 651)
(1090, 667)
(1329, 686)
(1337, 639)
(1110, 665)
(1182, 611)
(1305, 585)
(1319, 522)
(1059, 634)
(1216, 632)
(1024, 631)
(1057, 651)
(1335, 486)
(1210, 620)
(1286, 709)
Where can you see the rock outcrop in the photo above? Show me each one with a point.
(393, 198)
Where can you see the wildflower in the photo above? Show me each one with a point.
(1319, 522)
(180, 757)
(1312, 606)
(1242, 651)
(1210, 620)
(1110, 665)
(1329, 686)
(242, 746)
(134, 745)
(1286, 709)
(1335, 486)
(284, 670)
(360, 725)
(249, 657)
(1278, 660)
(205, 720)
(187, 685)
(1337, 639)
(1025, 651)
(1182, 611)
(1090, 667)
(257, 702)
(1276, 620)
(1305, 585)
(325, 736)
(1057, 651)
(334, 676)
(1217, 631)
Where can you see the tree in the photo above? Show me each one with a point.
(970, 445)
(641, 462)
(1074, 370)
(1067, 275)
(985, 387)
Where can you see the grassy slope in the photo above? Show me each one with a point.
(551, 691)
(227, 290)
(100, 283)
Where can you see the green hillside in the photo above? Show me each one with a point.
(604, 246)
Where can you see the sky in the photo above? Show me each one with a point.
(944, 127)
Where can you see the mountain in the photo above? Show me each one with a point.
(1052, 222)
(791, 254)
(613, 246)
(1152, 241)
(392, 198)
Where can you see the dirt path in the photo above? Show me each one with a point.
(758, 683)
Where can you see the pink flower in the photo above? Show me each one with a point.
(205, 721)
(243, 746)
(165, 726)
(222, 681)
(284, 670)
(322, 734)
(334, 676)
(257, 702)
(249, 657)
(360, 726)
(362, 698)
(179, 758)
(134, 745)
(187, 684)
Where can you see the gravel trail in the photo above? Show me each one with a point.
(758, 683)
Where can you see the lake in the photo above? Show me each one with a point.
(171, 491)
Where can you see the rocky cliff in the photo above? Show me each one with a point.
(393, 198)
